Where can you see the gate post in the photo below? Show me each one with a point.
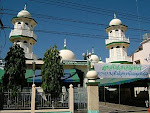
(33, 99)
(71, 98)
(93, 92)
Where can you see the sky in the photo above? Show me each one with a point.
(81, 22)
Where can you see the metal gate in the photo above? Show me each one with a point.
(80, 98)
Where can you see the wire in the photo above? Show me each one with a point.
(91, 9)
(138, 17)
(76, 21)
(74, 34)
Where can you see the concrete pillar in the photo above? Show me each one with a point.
(33, 99)
(71, 98)
(93, 97)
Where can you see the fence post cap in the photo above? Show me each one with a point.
(71, 86)
(33, 85)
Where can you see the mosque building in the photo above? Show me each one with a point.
(117, 43)
(80, 70)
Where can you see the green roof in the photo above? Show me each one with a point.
(1, 74)
(75, 77)
(28, 75)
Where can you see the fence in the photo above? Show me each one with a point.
(80, 98)
(23, 101)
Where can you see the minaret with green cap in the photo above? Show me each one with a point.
(23, 32)
(117, 43)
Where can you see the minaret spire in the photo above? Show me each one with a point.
(92, 50)
(115, 15)
(100, 59)
(25, 6)
(65, 43)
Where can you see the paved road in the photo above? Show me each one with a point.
(115, 108)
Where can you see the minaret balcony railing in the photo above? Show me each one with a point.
(27, 33)
(109, 41)
(117, 59)
(30, 56)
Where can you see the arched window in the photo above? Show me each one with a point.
(25, 42)
(116, 29)
(111, 47)
(110, 31)
(30, 43)
(118, 47)
(18, 40)
(123, 47)
(19, 22)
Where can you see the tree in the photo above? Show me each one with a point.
(52, 71)
(15, 68)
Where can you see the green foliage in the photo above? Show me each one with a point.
(52, 71)
(1, 96)
(15, 68)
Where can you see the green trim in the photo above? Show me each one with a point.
(25, 17)
(65, 48)
(122, 62)
(92, 83)
(93, 111)
(116, 43)
(18, 36)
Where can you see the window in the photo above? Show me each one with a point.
(25, 42)
(31, 26)
(111, 47)
(116, 29)
(122, 30)
(18, 41)
(137, 62)
(110, 31)
(123, 47)
(118, 47)
(30, 43)
(26, 23)
(19, 22)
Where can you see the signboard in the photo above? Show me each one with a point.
(122, 70)
(75, 62)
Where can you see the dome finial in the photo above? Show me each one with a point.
(92, 50)
(25, 6)
(115, 15)
(87, 52)
(65, 43)
(100, 59)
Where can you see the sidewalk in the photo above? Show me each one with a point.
(116, 108)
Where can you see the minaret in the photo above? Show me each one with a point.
(23, 34)
(117, 42)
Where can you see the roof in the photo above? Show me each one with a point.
(1, 74)
(116, 81)
(73, 76)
